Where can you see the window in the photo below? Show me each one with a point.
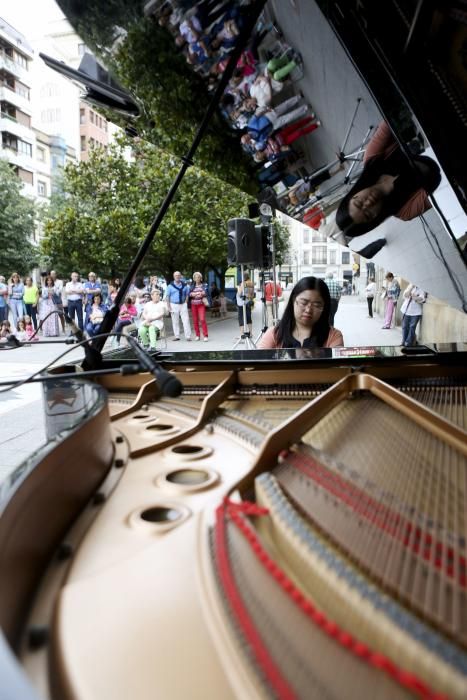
(25, 148)
(83, 143)
(40, 154)
(306, 235)
(332, 257)
(22, 90)
(82, 116)
(319, 255)
(51, 115)
(319, 237)
(41, 188)
(91, 116)
(345, 257)
(21, 60)
(306, 257)
(25, 175)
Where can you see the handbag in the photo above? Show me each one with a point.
(205, 301)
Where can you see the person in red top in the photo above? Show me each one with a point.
(391, 184)
(269, 298)
(305, 323)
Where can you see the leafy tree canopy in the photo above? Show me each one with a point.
(171, 95)
(17, 253)
(110, 202)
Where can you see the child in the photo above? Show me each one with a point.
(223, 305)
(30, 331)
(21, 333)
(5, 331)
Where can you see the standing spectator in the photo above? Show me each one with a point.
(31, 299)
(60, 297)
(412, 310)
(74, 293)
(154, 284)
(392, 290)
(245, 297)
(96, 315)
(199, 301)
(152, 320)
(3, 300)
(335, 294)
(269, 298)
(261, 126)
(91, 288)
(104, 290)
(176, 298)
(50, 325)
(128, 312)
(223, 305)
(15, 294)
(215, 303)
(370, 291)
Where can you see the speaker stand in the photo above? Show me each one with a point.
(246, 335)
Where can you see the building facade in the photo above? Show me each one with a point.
(17, 144)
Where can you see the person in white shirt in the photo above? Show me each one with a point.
(74, 293)
(60, 294)
(152, 320)
(370, 291)
(412, 310)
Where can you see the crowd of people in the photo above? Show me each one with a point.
(259, 104)
(30, 311)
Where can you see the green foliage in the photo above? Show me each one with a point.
(110, 203)
(17, 253)
(172, 97)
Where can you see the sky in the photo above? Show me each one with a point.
(30, 17)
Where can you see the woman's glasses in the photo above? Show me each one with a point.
(304, 304)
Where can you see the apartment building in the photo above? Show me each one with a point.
(18, 143)
(93, 130)
(312, 253)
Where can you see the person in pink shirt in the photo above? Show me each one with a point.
(128, 312)
(305, 322)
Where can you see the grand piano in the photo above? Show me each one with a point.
(294, 523)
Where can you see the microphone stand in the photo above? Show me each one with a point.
(251, 15)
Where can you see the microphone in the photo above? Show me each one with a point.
(92, 356)
(168, 383)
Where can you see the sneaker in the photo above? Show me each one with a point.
(188, 340)
(176, 338)
(197, 337)
(205, 340)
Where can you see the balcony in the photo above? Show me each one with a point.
(14, 98)
(13, 156)
(12, 126)
(18, 71)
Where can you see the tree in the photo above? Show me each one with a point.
(144, 59)
(17, 213)
(109, 204)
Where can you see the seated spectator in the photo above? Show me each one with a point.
(152, 320)
(21, 332)
(30, 330)
(126, 316)
(5, 330)
(96, 315)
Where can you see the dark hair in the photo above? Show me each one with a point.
(128, 300)
(410, 179)
(320, 331)
(97, 294)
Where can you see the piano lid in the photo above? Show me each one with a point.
(358, 63)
